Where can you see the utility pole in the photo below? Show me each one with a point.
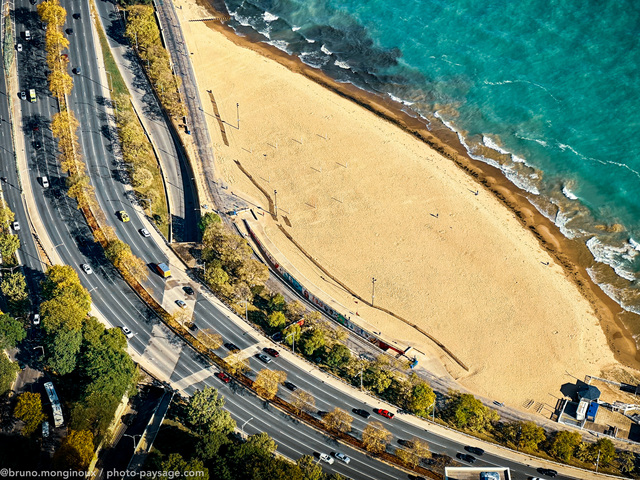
(373, 289)
(293, 341)
(361, 370)
(598, 461)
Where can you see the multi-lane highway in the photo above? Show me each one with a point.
(153, 342)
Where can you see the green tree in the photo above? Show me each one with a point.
(210, 444)
(465, 411)
(607, 451)
(294, 311)
(626, 461)
(376, 378)
(310, 468)
(277, 303)
(276, 320)
(207, 219)
(175, 463)
(292, 334)
(421, 400)
(14, 287)
(8, 373)
(524, 435)
(76, 451)
(564, 445)
(29, 410)
(9, 244)
(205, 412)
(311, 341)
(11, 332)
(62, 349)
(6, 216)
(338, 355)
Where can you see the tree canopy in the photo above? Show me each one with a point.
(205, 412)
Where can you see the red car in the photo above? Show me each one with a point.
(271, 351)
(384, 413)
(223, 376)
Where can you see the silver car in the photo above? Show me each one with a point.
(262, 357)
(343, 457)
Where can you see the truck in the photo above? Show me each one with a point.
(163, 270)
(32, 95)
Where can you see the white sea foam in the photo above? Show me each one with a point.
(568, 193)
(616, 294)
(399, 100)
(310, 41)
(280, 45)
(634, 244)
(616, 257)
(295, 29)
(313, 59)
(489, 142)
(269, 17)
(244, 21)
(325, 50)
(342, 64)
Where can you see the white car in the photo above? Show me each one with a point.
(16, 226)
(19, 47)
(343, 457)
(326, 458)
(144, 232)
(87, 268)
(181, 303)
(127, 332)
(36, 319)
(23, 95)
(45, 181)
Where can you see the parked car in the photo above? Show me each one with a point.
(362, 413)
(384, 413)
(127, 333)
(466, 457)
(124, 216)
(181, 303)
(188, 290)
(290, 386)
(36, 319)
(144, 232)
(69, 31)
(271, 351)
(263, 358)
(326, 458)
(223, 376)
(87, 268)
(45, 181)
(16, 226)
(343, 457)
(547, 472)
(277, 337)
(19, 47)
(23, 95)
(232, 347)
(77, 70)
(406, 443)
(474, 450)
(76, 16)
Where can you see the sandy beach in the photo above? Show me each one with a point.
(451, 248)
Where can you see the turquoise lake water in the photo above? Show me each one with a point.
(547, 90)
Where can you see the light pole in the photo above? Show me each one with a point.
(242, 427)
(246, 307)
(361, 370)
(39, 346)
(373, 289)
(433, 411)
(275, 194)
(109, 80)
(133, 437)
(293, 342)
(598, 461)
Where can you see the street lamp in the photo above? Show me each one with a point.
(433, 411)
(293, 342)
(361, 370)
(246, 307)
(373, 289)
(39, 346)
(275, 194)
(133, 437)
(598, 461)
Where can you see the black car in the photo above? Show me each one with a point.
(277, 337)
(290, 386)
(474, 450)
(466, 457)
(38, 145)
(322, 413)
(76, 16)
(547, 472)
(188, 290)
(69, 31)
(362, 413)
(231, 347)
(406, 443)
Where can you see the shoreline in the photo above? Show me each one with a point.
(573, 256)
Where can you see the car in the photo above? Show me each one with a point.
(69, 31)
(76, 16)
(33, 2)
(77, 70)
(36, 319)
(384, 413)
(223, 376)
(19, 47)
(127, 332)
(548, 472)
(271, 351)
(466, 457)
(144, 232)
(406, 443)
(326, 458)
(322, 413)
(45, 181)
(277, 337)
(263, 358)
(361, 412)
(474, 450)
(124, 216)
(16, 226)
(181, 303)
(290, 386)
(192, 326)
(23, 95)
(87, 268)
(232, 347)
(37, 144)
(188, 290)
(343, 457)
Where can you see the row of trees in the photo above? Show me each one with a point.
(9, 243)
(143, 32)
